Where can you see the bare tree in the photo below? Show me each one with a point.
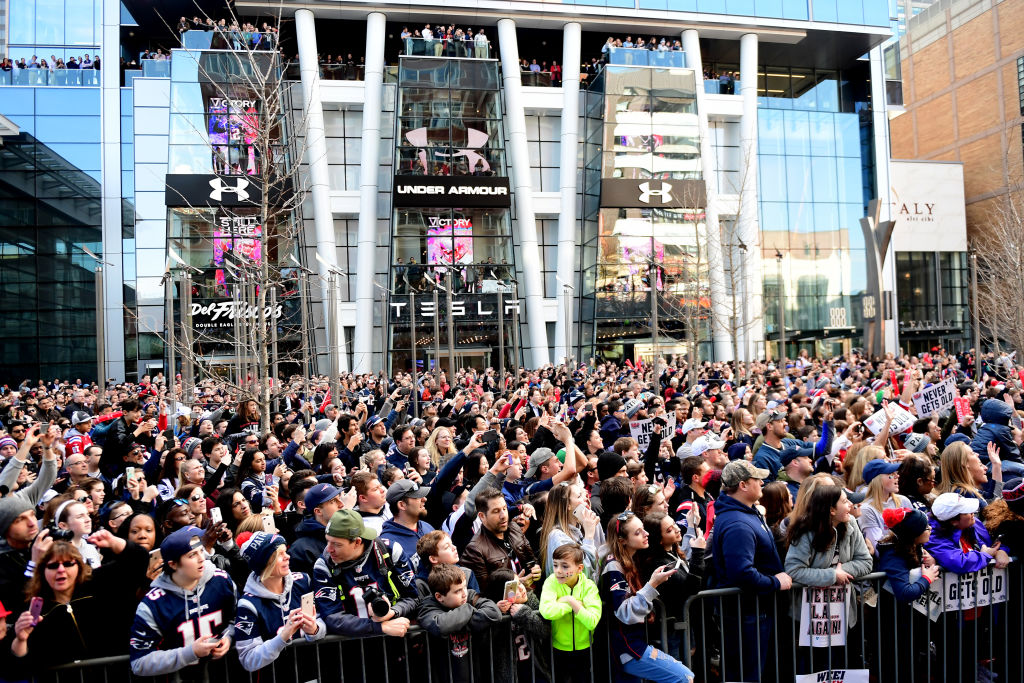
(999, 251)
(257, 274)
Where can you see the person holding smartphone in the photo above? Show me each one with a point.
(270, 613)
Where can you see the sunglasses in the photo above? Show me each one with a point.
(81, 499)
(196, 497)
(67, 564)
(180, 501)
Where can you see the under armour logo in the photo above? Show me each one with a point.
(665, 193)
(220, 187)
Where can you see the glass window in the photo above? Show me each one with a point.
(798, 133)
(79, 24)
(49, 22)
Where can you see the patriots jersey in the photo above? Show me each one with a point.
(261, 613)
(340, 591)
(170, 619)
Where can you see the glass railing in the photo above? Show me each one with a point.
(719, 86)
(156, 68)
(445, 48)
(226, 39)
(632, 56)
(342, 72)
(542, 79)
(61, 78)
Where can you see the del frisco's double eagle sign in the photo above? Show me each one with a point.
(452, 191)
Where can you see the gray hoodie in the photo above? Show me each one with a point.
(261, 611)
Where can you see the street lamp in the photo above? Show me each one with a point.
(567, 296)
(332, 325)
(745, 323)
(782, 313)
(101, 345)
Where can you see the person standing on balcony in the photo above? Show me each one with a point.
(480, 42)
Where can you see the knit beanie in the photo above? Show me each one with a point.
(906, 523)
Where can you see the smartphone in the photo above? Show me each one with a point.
(268, 524)
(215, 515)
(169, 435)
(490, 436)
(578, 511)
(35, 608)
(155, 557)
(508, 454)
(129, 473)
(308, 606)
(511, 590)
(269, 479)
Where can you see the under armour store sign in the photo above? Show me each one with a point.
(200, 190)
(452, 192)
(635, 193)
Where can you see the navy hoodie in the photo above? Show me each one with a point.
(309, 544)
(996, 415)
(744, 550)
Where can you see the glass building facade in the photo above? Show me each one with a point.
(450, 131)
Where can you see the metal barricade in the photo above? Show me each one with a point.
(725, 635)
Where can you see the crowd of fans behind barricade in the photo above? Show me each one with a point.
(181, 531)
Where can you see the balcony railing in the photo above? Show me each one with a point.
(440, 47)
(632, 56)
(61, 78)
(227, 39)
(156, 68)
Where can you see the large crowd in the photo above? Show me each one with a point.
(180, 530)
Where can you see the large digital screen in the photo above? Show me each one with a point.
(233, 126)
(239, 235)
(449, 241)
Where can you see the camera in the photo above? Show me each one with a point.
(58, 534)
(376, 602)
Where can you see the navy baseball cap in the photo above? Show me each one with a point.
(181, 542)
(318, 495)
(794, 452)
(877, 467)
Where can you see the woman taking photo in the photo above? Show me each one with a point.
(569, 519)
(631, 602)
(73, 515)
(826, 548)
(269, 615)
(85, 611)
(253, 485)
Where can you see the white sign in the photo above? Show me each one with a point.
(823, 616)
(927, 203)
(937, 398)
(958, 592)
(902, 420)
(641, 430)
(835, 676)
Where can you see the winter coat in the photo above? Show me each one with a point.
(406, 537)
(996, 416)
(612, 429)
(571, 631)
(904, 579)
(808, 567)
(949, 553)
(486, 552)
(743, 549)
(628, 611)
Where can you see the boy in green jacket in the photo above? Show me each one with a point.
(572, 603)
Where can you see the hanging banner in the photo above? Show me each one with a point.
(937, 398)
(641, 430)
(823, 616)
(902, 420)
(958, 592)
(835, 676)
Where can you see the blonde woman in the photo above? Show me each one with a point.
(441, 446)
(962, 471)
(853, 467)
(883, 484)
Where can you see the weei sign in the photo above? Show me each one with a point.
(451, 191)
(938, 398)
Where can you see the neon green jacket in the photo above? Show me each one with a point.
(570, 631)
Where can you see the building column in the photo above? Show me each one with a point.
(721, 311)
(747, 228)
(369, 164)
(113, 252)
(567, 219)
(519, 160)
(883, 190)
(319, 184)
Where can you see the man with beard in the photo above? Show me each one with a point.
(408, 503)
